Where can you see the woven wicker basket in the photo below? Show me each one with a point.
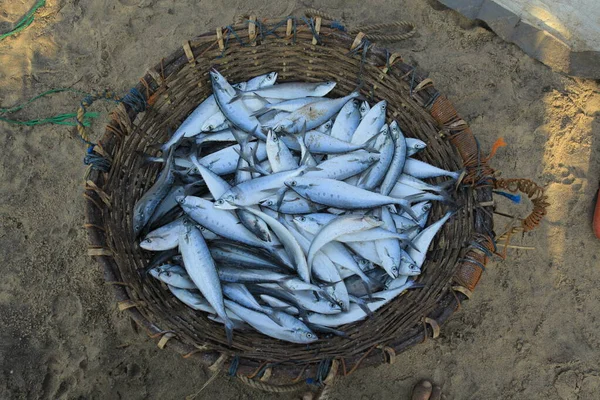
(298, 50)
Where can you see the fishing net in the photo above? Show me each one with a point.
(298, 49)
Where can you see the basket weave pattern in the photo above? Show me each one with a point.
(177, 85)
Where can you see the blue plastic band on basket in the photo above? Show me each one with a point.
(481, 248)
(323, 370)
(235, 363)
(261, 35)
(272, 30)
(95, 160)
(311, 26)
(412, 80)
(431, 100)
(515, 198)
(338, 25)
(136, 100)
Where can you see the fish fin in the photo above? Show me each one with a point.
(280, 195)
(147, 158)
(309, 169)
(369, 145)
(274, 318)
(238, 95)
(240, 136)
(260, 112)
(363, 306)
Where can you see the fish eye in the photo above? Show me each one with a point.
(219, 202)
(270, 202)
(302, 218)
(210, 127)
(293, 183)
(371, 158)
(395, 270)
(275, 138)
(310, 335)
(383, 106)
(427, 207)
(167, 273)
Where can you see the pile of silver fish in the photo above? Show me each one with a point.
(308, 212)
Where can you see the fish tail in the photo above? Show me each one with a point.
(228, 329)
(404, 204)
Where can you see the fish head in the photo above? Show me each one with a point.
(146, 243)
(304, 335)
(381, 106)
(283, 126)
(269, 79)
(240, 86)
(227, 202)
(426, 207)
(324, 88)
(216, 78)
(419, 145)
(155, 272)
(408, 268)
(364, 108)
(268, 202)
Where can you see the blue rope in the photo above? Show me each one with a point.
(235, 363)
(338, 25)
(96, 160)
(311, 26)
(323, 370)
(136, 100)
(481, 248)
(432, 99)
(412, 81)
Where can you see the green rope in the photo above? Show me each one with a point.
(25, 21)
(61, 119)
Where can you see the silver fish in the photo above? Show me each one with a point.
(174, 275)
(375, 175)
(422, 170)
(201, 269)
(295, 90)
(147, 204)
(289, 242)
(347, 121)
(398, 160)
(251, 192)
(291, 330)
(342, 195)
(371, 123)
(356, 313)
(279, 156)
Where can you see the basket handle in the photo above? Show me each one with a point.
(536, 195)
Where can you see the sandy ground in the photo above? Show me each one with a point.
(531, 330)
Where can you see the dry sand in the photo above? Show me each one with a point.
(531, 330)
